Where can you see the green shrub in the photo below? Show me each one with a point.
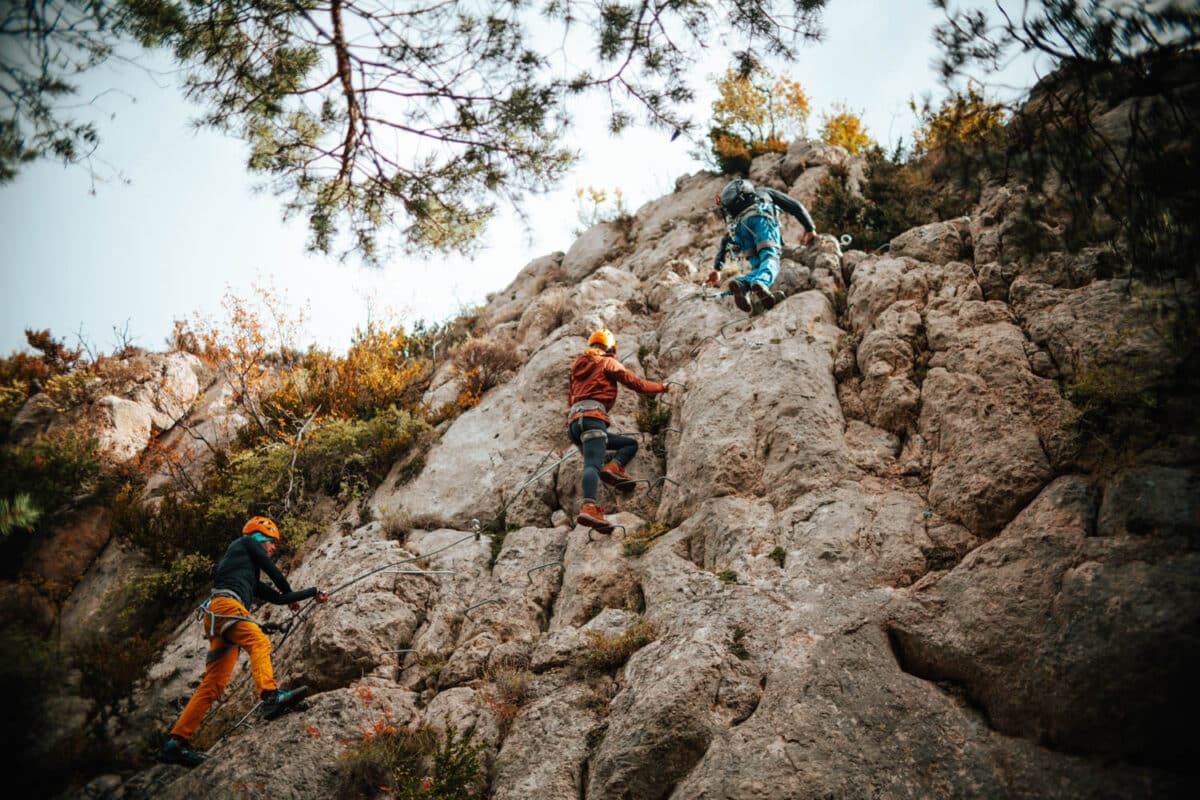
(352, 453)
(53, 470)
(727, 576)
(738, 646)
(296, 529)
(897, 195)
(70, 389)
(1114, 401)
(652, 415)
(18, 514)
(159, 595)
(606, 653)
(339, 458)
(12, 397)
(180, 524)
(109, 666)
(636, 545)
(777, 555)
(413, 763)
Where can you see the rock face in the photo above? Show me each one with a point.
(138, 396)
(863, 561)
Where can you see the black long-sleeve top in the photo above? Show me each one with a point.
(780, 199)
(238, 573)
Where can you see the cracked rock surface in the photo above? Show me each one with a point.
(873, 565)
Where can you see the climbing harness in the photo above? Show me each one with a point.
(584, 405)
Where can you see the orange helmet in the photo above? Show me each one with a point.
(264, 525)
(603, 337)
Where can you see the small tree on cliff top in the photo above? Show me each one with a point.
(964, 120)
(842, 127)
(755, 112)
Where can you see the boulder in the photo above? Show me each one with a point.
(600, 244)
(936, 243)
(804, 154)
(1012, 624)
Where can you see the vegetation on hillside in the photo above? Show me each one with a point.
(321, 430)
(756, 112)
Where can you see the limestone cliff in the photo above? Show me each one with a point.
(880, 565)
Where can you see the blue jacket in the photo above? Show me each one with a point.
(756, 229)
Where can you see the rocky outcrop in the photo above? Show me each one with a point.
(133, 398)
(863, 558)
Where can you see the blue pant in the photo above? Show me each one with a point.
(764, 268)
(764, 263)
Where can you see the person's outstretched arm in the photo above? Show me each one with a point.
(268, 593)
(722, 249)
(793, 207)
(719, 260)
(639, 385)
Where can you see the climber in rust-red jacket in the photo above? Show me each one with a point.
(593, 391)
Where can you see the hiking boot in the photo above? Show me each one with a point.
(738, 289)
(282, 700)
(768, 298)
(615, 476)
(592, 516)
(174, 751)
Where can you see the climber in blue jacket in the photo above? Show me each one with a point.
(752, 227)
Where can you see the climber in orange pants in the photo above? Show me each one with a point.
(229, 628)
(592, 393)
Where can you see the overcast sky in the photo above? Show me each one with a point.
(188, 224)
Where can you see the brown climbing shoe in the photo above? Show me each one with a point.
(769, 298)
(616, 477)
(738, 290)
(592, 516)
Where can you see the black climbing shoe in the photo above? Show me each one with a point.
(738, 290)
(282, 700)
(172, 752)
(769, 298)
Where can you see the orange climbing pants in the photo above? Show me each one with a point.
(222, 656)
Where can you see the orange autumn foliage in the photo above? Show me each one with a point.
(843, 128)
(754, 114)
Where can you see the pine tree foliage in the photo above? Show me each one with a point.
(44, 44)
(369, 116)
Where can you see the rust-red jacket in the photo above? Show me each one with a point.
(595, 375)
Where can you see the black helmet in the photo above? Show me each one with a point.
(736, 196)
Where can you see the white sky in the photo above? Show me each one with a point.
(188, 225)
